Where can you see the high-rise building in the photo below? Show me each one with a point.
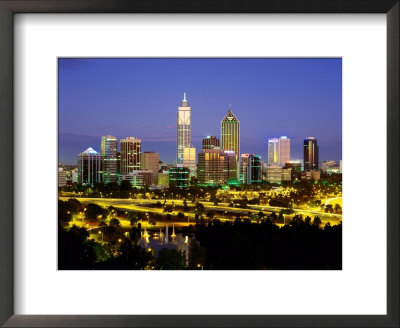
(251, 169)
(278, 151)
(254, 169)
(244, 163)
(179, 177)
(89, 167)
(210, 142)
(151, 162)
(273, 151)
(230, 133)
(189, 159)
(310, 154)
(131, 156)
(108, 151)
(216, 167)
(284, 150)
(274, 174)
(183, 129)
(295, 167)
(62, 177)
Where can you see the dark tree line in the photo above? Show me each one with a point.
(302, 245)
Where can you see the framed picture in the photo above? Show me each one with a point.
(182, 164)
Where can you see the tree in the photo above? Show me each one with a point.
(338, 208)
(170, 259)
(317, 221)
(181, 215)
(114, 223)
(93, 211)
(126, 185)
(185, 205)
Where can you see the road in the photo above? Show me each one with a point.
(144, 205)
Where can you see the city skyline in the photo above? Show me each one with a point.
(71, 142)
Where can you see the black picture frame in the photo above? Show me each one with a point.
(10, 7)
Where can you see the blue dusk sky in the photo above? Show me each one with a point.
(297, 98)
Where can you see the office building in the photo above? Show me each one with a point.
(230, 133)
(244, 164)
(163, 179)
(183, 131)
(89, 167)
(254, 169)
(108, 151)
(216, 167)
(189, 159)
(278, 151)
(295, 167)
(210, 142)
(273, 174)
(138, 178)
(284, 150)
(62, 177)
(150, 162)
(326, 165)
(131, 155)
(179, 177)
(311, 154)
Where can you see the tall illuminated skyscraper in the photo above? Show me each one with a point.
(273, 151)
(89, 167)
(108, 151)
(131, 157)
(278, 151)
(230, 133)
(311, 154)
(183, 129)
(284, 150)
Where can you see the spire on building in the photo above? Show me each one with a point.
(184, 97)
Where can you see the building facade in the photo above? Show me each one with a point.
(108, 151)
(216, 167)
(138, 178)
(210, 142)
(278, 151)
(131, 155)
(295, 167)
(189, 159)
(254, 169)
(89, 167)
(183, 129)
(151, 162)
(311, 154)
(179, 177)
(230, 133)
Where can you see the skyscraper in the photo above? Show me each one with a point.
(310, 154)
(210, 142)
(108, 150)
(131, 156)
(89, 167)
(189, 159)
(230, 132)
(244, 163)
(183, 129)
(150, 161)
(278, 151)
(273, 151)
(216, 166)
(284, 150)
(254, 170)
(250, 169)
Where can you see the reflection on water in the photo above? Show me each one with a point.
(163, 239)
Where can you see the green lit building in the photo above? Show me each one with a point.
(179, 177)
